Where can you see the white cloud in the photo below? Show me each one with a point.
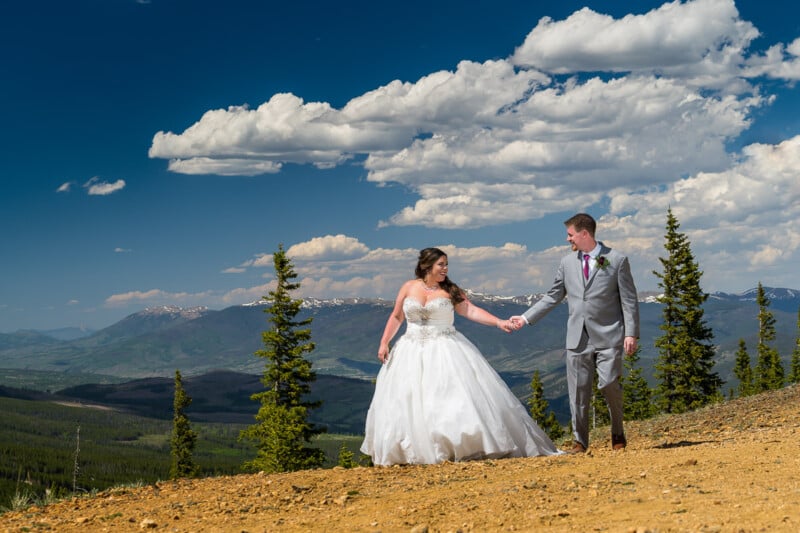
(510, 140)
(247, 295)
(294, 131)
(779, 61)
(327, 248)
(286, 129)
(119, 250)
(126, 298)
(506, 269)
(701, 38)
(154, 297)
(261, 260)
(223, 167)
(739, 220)
(376, 286)
(96, 187)
(457, 205)
(64, 187)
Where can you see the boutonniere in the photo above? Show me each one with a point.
(603, 263)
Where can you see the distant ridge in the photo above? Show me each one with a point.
(158, 340)
(783, 299)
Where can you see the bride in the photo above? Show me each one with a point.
(436, 397)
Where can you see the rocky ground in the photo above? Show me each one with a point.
(731, 467)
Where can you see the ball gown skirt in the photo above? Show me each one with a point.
(438, 399)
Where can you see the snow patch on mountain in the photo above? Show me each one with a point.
(189, 313)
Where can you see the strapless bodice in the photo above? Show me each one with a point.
(430, 320)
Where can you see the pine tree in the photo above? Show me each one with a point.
(346, 457)
(769, 369)
(743, 371)
(686, 353)
(637, 394)
(183, 437)
(538, 407)
(282, 432)
(794, 369)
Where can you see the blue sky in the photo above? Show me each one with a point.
(156, 152)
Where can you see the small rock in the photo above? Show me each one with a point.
(147, 523)
(422, 528)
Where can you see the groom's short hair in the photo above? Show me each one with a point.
(582, 221)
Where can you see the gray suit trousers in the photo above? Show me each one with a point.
(582, 362)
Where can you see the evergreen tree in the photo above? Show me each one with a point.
(794, 369)
(553, 427)
(769, 369)
(686, 354)
(743, 371)
(282, 432)
(637, 394)
(183, 437)
(346, 457)
(537, 405)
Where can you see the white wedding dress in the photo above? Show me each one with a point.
(438, 399)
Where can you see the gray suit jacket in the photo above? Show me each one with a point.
(606, 305)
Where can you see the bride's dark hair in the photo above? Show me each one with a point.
(427, 258)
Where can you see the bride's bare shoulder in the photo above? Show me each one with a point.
(410, 285)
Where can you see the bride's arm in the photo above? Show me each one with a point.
(472, 312)
(394, 322)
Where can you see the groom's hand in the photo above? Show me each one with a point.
(505, 325)
(629, 345)
(517, 322)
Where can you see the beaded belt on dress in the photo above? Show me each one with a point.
(422, 333)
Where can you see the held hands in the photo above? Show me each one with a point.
(512, 324)
(506, 325)
(517, 322)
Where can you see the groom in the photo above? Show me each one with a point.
(603, 323)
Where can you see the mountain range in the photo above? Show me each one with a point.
(200, 342)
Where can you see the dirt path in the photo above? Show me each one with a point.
(732, 467)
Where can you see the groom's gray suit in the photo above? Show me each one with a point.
(603, 310)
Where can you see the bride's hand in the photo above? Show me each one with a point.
(506, 325)
(383, 353)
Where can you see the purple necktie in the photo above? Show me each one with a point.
(586, 266)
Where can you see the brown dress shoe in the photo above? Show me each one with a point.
(618, 442)
(577, 447)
